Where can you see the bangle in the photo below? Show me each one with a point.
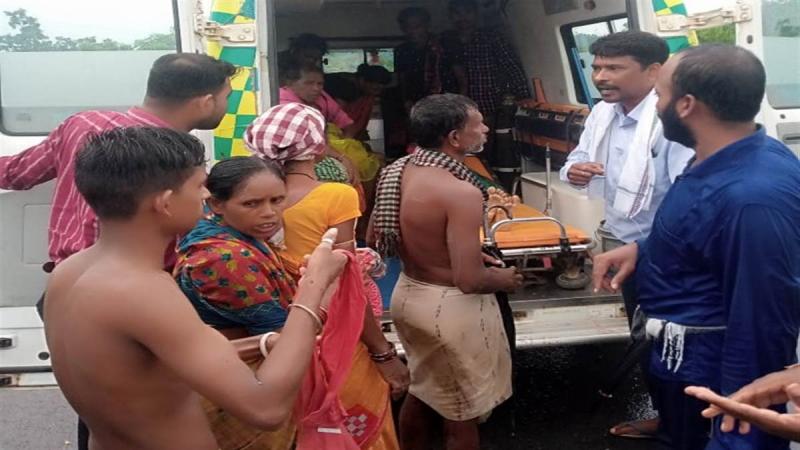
(343, 243)
(262, 343)
(310, 313)
(386, 356)
(323, 315)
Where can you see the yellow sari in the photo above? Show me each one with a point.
(233, 434)
(365, 394)
(366, 390)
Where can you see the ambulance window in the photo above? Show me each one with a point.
(578, 37)
(781, 25)
(348, 60)
(59, 58)
(620, 24)
(343, 60)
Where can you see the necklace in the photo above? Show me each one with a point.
(303, 174)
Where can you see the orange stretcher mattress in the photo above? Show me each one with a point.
(527, 235)
(535, 234)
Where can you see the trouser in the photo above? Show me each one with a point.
(680, 415)
(682, 422)
(630, 298)
(610, 242)
(83, 430)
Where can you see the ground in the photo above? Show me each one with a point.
(557, 405)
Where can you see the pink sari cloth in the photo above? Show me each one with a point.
(374, 268)
(319, 412)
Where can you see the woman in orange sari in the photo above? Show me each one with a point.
(284, 134)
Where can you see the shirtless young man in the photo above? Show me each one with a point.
(443, 305)
(129, 352)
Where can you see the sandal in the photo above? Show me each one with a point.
(636, 429)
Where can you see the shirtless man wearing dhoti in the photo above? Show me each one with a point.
(429, 210)
(129, 351)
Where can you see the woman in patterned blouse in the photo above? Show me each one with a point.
(226, 266)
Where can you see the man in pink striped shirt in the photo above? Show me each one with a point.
(185, 91)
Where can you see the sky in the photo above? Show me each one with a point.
(120, 20)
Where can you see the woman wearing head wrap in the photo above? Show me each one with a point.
(293, 135)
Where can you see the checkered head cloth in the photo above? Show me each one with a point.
(287, 132)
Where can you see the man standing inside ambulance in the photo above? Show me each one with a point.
(623, 158)
(719, 276)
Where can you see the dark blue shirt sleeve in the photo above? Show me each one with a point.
(758, 259)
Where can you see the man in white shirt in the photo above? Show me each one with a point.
(623, 157)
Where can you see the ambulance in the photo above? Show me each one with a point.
(58, 58)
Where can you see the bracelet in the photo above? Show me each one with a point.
(310, 313)
(342, 244)
(262, 343)
(323, 315)
(386, 356)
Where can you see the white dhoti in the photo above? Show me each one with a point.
(457, 349)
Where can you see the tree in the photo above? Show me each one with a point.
(156, 41)
(28, 37)
(87, 44)
(723, 34)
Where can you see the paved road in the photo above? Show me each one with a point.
(555, 394)
(36, 419)
(557, 408)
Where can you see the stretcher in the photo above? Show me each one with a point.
(535, 242)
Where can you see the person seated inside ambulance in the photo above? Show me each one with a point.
(358, 93)
(306, 48)
(304, 83)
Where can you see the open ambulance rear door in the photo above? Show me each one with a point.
(84, 55)
(768, 28)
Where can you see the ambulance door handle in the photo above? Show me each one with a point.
(790, 139)
(7, 341)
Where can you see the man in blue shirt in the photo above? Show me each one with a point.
(621, 131)
(719, 276)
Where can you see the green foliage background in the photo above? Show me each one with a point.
(27, 36)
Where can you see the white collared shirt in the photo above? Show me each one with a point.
(670, 160)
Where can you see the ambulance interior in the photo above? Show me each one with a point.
(543, 34)
(551, 38)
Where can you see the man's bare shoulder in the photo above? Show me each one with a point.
(445, 182)
(123, 290)
(464, 189)
(150, 290)
(70, 269)
(461, 195)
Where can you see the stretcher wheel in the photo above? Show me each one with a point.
(575, 282)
